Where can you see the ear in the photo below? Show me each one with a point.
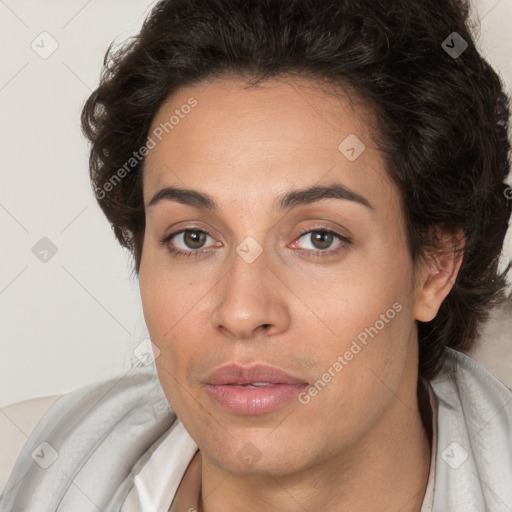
(437, 276)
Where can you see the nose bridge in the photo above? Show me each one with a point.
(249, 271)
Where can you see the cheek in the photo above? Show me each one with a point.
(366, 321)
(167, 295)
(361, 368)
(368, 294)
(169, 303)
(175, 314)
(167, 306)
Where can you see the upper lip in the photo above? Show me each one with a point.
(237, 374)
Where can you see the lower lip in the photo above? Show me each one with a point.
(252, 401)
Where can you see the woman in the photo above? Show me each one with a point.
(314, 196)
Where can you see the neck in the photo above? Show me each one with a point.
(386, 470)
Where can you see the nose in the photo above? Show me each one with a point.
(250, 301)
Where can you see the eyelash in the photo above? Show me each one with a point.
(344, 241)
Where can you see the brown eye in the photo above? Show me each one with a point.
(322, 242)
(322, 239)
(187, 242)
(194, 239)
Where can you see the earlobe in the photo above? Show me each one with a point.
(438, 278)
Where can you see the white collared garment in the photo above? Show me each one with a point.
(471, 462)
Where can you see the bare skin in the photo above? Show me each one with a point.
(358, 444)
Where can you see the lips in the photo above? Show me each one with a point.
(258, 373)
(257, 389)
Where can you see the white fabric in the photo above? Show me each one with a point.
(156, 484)
(472, 421)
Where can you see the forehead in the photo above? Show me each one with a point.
(258, 141)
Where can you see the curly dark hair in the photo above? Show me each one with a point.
(442, 118)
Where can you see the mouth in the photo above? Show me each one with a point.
(253, 390)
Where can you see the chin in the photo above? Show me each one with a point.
(256, 455)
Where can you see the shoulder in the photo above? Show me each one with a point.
(105, 427)
(467, 382)
(474, 415)
(474, 405)
(17, 422)
(493, 348)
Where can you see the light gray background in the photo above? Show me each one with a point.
(76, 318)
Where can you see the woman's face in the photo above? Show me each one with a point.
(317, 284)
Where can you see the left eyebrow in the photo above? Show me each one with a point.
(302, 197)
(291, 199)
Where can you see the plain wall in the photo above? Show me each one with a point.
(75, 318)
